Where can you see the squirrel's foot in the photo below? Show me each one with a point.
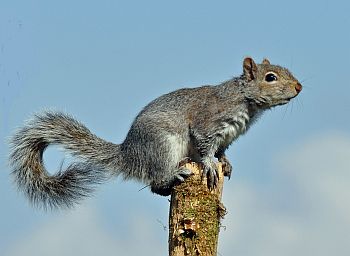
(210, 171)
(226, 166)
(183, 173)
(184, 161)
(164, 187)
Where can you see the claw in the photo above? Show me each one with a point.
(227, 169)
(226, 166)
(179, 178)
(184, 161)
(210, 171)
(182, 174)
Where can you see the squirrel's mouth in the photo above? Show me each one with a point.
(285, 101)
(282, 102)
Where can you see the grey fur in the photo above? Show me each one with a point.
(197, 123)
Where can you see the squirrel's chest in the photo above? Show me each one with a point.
(232, 128)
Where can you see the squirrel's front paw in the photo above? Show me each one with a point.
(226, 166)
(210, 171)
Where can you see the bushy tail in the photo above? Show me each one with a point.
(99, 158)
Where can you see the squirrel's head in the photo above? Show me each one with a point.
(270, 85)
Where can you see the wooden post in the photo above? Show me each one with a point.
(195, 215)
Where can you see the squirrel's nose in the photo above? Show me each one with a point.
(298, 87)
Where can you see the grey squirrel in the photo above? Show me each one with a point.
(190, 123)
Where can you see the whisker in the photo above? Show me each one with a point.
(285, 111)
(306, 79)
(307, 87)
(300, 103)
(291, 109)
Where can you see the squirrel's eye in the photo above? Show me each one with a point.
(270, 77)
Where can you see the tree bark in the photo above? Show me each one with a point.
(195, 215)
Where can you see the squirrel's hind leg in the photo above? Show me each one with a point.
(170, 167)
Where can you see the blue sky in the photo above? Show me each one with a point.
(103, 61)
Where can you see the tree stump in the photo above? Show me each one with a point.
(195, 215)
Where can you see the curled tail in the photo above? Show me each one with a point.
(99, 158)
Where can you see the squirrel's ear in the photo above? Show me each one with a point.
(249, 68)
(266, 62)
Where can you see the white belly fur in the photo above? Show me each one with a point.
(233, 129)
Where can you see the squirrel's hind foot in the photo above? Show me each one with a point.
(164, 187)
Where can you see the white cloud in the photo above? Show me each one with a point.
(317, 171)
(80, 232)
